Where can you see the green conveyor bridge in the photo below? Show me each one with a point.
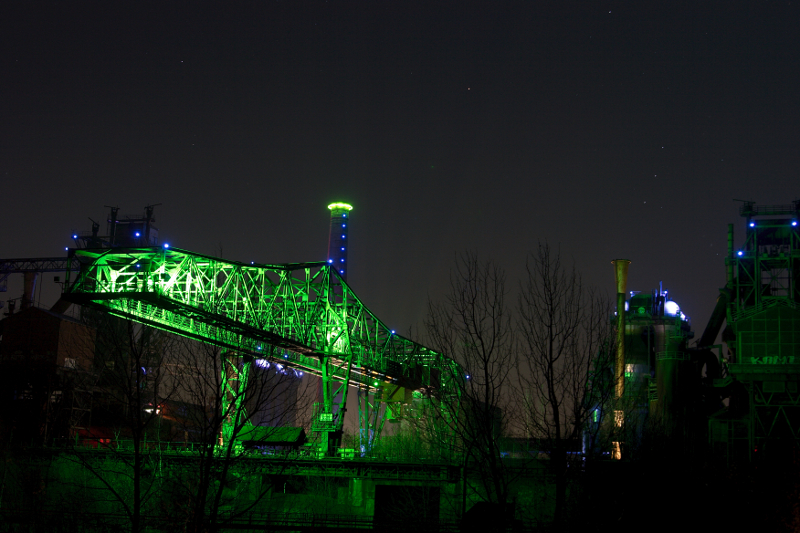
(302, 315)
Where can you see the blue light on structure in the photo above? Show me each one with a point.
(343, 237)
(794, 222)
(752, 224)
(166, 245)
(258, 347)
(330, 260)
(342, 259)
(344, 215)
(66, 248)
(286, 356)
(343, 248)
(262, 363)
(138, 234)
(341, 272)
(467, 376)
(344, 225)
(740, 253)
(138, 265)
(74, 236)
(392, 332)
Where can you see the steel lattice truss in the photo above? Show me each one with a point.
(36, 264)
(302, 314)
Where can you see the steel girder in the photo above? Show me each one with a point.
(302, 315)
(35, 264)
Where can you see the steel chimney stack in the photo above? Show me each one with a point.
(338, 243)
(621, 278)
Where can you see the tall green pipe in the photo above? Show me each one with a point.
(621, 277)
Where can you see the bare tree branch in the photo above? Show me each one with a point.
(473, 326)
(563, 330)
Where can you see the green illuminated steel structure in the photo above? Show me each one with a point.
(762, 297)
(303, 315)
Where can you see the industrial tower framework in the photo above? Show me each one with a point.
(653, 370)
(762, 305)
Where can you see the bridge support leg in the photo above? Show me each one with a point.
(370, 402)
(235, 371)
(328, 420)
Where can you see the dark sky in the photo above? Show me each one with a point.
(612, 129)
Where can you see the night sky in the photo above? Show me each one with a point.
(610, 129)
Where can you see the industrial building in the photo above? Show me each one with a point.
(733, 401)
(761, 369)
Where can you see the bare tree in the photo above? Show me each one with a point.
(473, 327)
(230, 399)
(130, 362)
(564, 329)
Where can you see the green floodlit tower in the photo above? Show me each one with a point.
(338, 243)
(372, 398)
(762, 297)
(331, 406)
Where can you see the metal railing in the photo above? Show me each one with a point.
(750, 208)
(672, 355)
(764, 304)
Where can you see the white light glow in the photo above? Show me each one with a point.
(672, 308)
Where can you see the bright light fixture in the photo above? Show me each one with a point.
(672, 308)
(340, 205)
